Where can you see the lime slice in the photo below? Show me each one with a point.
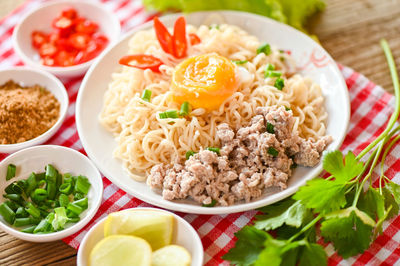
(172, 255)
(153, 226)
(121, 250)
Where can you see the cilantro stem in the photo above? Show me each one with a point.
(305, 228)
(395, 115)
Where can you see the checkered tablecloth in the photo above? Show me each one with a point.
(371, 108)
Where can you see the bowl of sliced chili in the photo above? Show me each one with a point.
(65, 37)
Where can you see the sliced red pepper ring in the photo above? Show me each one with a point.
(142, 61)
(180, 42)
(39, 38)
(194, 39)
(163, 36)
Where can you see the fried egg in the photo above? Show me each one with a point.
(205, 81)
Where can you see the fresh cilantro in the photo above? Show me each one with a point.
(395, 190)
(333, 164)
(372, 203)
(288, 212)
(322, 195)
(248, 246)
(390, 202)
(349, 234)
(270, 128)
(313, 255)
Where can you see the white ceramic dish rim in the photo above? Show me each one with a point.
(6, 148)
(220, 209)
(56, 69)
(73, 228)
(196, 239)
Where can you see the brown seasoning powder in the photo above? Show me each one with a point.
(25, 112)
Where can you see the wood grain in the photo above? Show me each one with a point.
(349, 30)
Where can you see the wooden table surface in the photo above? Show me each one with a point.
(349, 30)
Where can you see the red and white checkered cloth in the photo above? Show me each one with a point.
(371, 108)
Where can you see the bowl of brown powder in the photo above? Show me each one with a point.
(33, 105)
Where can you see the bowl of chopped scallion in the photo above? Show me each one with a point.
(48, 193)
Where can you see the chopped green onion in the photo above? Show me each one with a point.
(43, 226)
(83, 203)
(239, 62)
(73, 219)
(13, 188)
(189, 154)
(212, 204)
(272, 151)
(65, 188)
(63, 200)
(31, 183)
(185, 109)
(270, 128)
(29, 229)
(7, 213)
(60, 218)
(171, 114)
(265, 48)
(21, 213)
(269, 67)
(214, 149)
(272, 74)
(59, 181)
(11, 169)
(51, 190)
(51, 174)
(82, 185)
(14, 197)
(32, 210)
(162, 115)
(146, 95)
(71, 214)
(75, 208)
(22, 184)
(18, 222)
(42, 183)
(214, 26)
(279, 83)
(12, 205)
(40, 176)
(293, 166)
(78, 196)
(287, 108)
(40, 194)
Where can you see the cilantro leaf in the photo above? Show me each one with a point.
(348, 232)
(322, 195)
(248, 246)
(313, 255)
(333, 163)
(373, 203)
(272, 253)
(395, 190)
(390, 202)
(288, 212)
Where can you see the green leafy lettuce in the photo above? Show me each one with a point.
(292, 12)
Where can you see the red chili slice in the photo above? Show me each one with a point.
(194, 39)
(70, 13)
(142, 61)
(47, 49)
(83, 25)
(39, 38)
(164, 37)
(63, 58)
(180, 42)
(62, 23)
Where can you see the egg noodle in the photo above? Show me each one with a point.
(145, 140)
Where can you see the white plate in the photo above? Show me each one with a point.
(65, 160)
(99, 143)
(183, 235)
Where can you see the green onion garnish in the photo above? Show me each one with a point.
(7, 213)
(51, 190)
(22, 222)
(270, 128)
(189, 154)
(82, 185)
(40, 194)
(265, 48)
(75, 208)
(63, 200)
(214, 149)
(146, 95)
(272, 74)
(239, 62)
(269, 67)
(287, 108)
(214, 26)
(65, 188)
(212, 204)
(32, 210)
(272, 151)
(51, 173)
(11, 169)
(185, 109)
(279, 83)
(60, 218)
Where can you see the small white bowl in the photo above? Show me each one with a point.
(183, 235)
(41, 19)
(28, 77)
(65, 160)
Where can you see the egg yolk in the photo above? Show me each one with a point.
(205, 81)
